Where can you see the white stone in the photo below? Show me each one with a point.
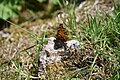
(50, 45)
(73, 44)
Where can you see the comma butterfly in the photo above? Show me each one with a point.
(61, 34)
(61, 37)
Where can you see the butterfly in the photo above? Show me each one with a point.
(61, 37)
(61, 34)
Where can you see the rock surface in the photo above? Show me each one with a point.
(49, 55)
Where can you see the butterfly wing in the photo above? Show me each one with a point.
(61, 37)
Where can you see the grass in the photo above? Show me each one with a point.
(100, 33)
(103, 33)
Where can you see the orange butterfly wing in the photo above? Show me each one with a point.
(61, 37)
(61, 34)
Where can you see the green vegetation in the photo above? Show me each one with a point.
(102, 32)
(12, 8)
(9, 8)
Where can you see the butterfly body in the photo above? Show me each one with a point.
(61, 37)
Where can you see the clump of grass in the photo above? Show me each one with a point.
(19, 59)
(103, 33)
